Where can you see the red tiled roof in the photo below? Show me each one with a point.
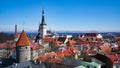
(52, 54)
(42, 58)
(7, 44)
(49, 40)
(55, 57)
(90, 51)
(60, 54)
(83, 43)
(3, 45)
(105, 48)
(112, 57)
(72, 42)
(67, 52)
(99, 44)
(49, 57)
(34, 46)
(115, 58)
(23, 40)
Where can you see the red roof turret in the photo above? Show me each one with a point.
(23, 40)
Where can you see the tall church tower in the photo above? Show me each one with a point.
(42, 31)
(42, 27)
(23, 49)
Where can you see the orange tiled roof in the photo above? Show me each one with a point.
(37, 47)
(49, 57)
(67, 52)
(105, 48)
(23, 40)
(58, 43)
(72, 42)
(60, 54)
(55, 57)
(49, 40)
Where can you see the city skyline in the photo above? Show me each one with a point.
(60, 15)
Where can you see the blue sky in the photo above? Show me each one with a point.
(66, 15)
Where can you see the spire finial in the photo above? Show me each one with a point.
(42, 10)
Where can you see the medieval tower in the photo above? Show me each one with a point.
(42, 27)
(42, 31)
(23, 49)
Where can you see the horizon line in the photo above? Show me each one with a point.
(66, 31)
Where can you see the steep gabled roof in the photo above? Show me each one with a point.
(23, 40)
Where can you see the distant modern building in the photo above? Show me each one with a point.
(15, 29)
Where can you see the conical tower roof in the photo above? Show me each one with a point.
(23, 40)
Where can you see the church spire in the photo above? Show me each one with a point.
(43, 18)
(42, 31)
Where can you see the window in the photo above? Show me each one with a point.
(20, 47)
(26, 58)
(87, 66)
(117, 66)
